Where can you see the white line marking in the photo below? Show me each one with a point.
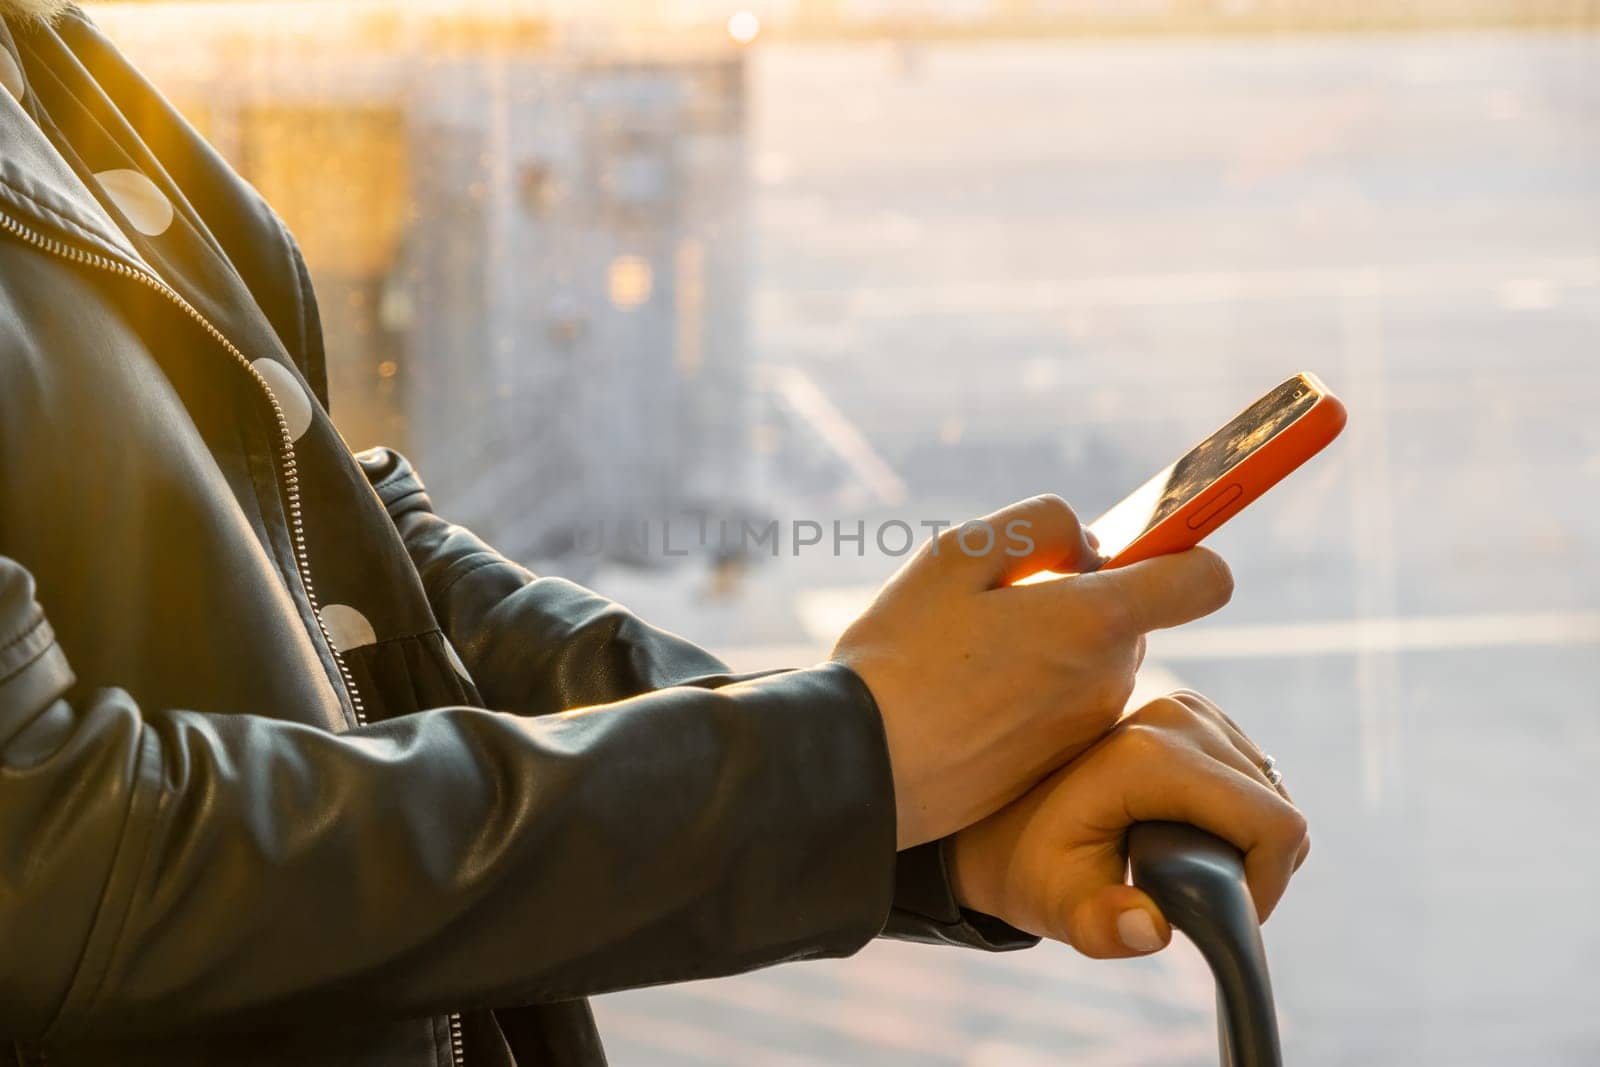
(1196, 287)
(827, 611)
(753, 658)
(1372, 532)
(1417, 633)
(701, 1042)
(839, 433)
(1285, 640)
(887, 1025)
(1154, 680)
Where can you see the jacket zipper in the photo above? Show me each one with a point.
(286, 465)
(286, 458)
(458, 1043)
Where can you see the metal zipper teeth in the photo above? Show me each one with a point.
(286, 459)
(458, 1043)
(287, 465)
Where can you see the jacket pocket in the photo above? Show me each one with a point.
(34, 672)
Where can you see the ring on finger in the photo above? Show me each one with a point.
(1269, 767)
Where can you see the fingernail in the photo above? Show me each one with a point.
(1138, 931)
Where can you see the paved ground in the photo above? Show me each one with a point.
(1013, 268)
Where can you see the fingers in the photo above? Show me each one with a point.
(1115, 922)
(1183, 783)
(1205, 706)
(1257, 821)
(1039, 534)
(1152, 594)
(1202, 705)
(1178, 759)
(1254, 759)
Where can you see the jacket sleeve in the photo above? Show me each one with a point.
(537, 646)
(167, 870)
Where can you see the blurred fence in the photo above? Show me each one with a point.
(528, 253)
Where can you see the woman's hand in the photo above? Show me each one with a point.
(1054, 862)
(985, 687)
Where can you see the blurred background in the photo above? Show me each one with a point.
(659, 263)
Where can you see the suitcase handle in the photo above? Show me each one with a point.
(1198, 882)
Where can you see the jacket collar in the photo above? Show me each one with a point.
(39, 189)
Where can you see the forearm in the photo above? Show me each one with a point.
(183, 871)
(539, 645)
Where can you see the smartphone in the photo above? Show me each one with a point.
(1220, 476)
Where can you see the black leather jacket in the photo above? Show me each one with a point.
(244, 822)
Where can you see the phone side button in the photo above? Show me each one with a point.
(1215, 506)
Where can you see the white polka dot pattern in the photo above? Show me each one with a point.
(291, 396)
(347, 627)
(11, 74)
(137, 197)
(455, 661)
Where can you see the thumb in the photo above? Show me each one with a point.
(1116, 922)
(1029, 537)
(1157, 593)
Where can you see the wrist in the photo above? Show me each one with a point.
(915, 824)
(966, 884)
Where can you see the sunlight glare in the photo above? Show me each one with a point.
(743, 26)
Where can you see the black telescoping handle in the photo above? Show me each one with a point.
(1198, 882)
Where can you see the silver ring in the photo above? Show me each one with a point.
(1269, 767)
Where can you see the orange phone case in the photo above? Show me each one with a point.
(1250, 478)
